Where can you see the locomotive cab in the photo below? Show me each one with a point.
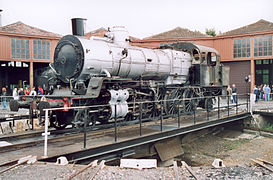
(206, 69)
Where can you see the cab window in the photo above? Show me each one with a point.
(196, 55)
(211, 57)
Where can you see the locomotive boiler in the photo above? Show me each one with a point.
(108, 73)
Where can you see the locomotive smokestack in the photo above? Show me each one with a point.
(78, 26)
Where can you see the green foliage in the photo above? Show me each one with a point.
(211, 32)
(234, 144)
(269, 127)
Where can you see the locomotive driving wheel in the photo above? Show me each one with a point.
(149, 109)
(209, 104)
(189, 104)
(172, 102)
(80, 117)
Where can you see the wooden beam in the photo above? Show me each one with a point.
(175, 170)
(189, 169)
(20, 161)
(261, 164)
(97, 170)
(267, 162)
(92, 164)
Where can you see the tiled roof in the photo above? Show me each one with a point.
(177, 33)
(21, 28)
(100, 33)
(259, 26)
(97, 31)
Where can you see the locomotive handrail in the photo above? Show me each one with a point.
(138, 102)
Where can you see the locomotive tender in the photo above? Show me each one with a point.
(109, 72)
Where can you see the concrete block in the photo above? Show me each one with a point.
(218, 163)
(6, 128)
(138, 163)
(61, 161)
(32, 160)
(4, 143)
(24, 159)
(19, 126)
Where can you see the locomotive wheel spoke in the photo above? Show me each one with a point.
(80, 118)
(209, 104)
(172, 102)
(189, 103)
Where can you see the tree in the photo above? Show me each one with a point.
(211, 32)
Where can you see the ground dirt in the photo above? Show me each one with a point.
(233, 147)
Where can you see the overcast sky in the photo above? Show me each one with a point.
(142, 18)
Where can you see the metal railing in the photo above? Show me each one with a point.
(223, 107)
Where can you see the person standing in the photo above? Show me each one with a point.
(229, 92)
(4, 98)
(266, 93)
(261, 92)
(27, 91)
(234, 94)
(15, 94)
(264, 89)
(40, 91)
(271, 92)
(33, 92)
(21, 92)
(256, 92)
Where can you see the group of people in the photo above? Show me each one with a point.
(263, 92)
(26, 92)
(17, 93)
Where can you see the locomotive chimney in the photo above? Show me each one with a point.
(78, 26)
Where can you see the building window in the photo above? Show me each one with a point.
(20, 49)
(263, 74)
(263, 46)
(41, 49)
(258, 61)
(241, 48)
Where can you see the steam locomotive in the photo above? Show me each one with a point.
(114, 76)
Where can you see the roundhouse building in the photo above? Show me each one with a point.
(24, 50)
(246, 50)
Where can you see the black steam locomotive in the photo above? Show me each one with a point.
(114, 76)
